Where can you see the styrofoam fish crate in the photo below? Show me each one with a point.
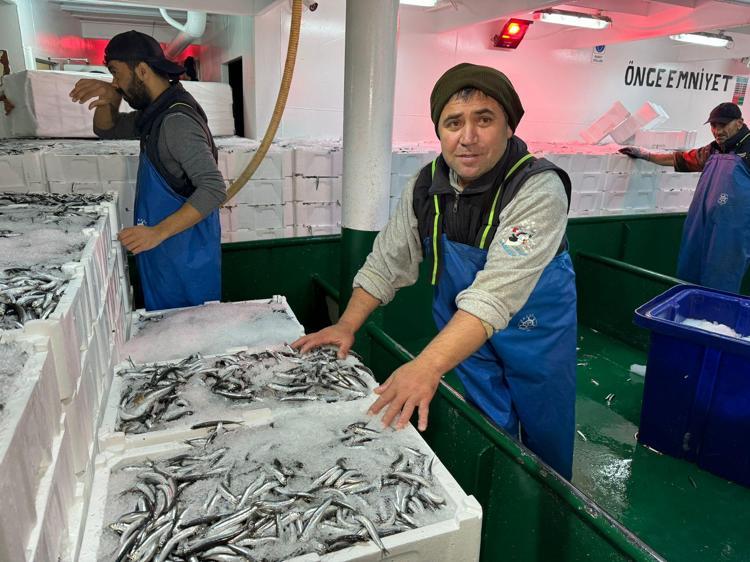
(619, 164)
(605, 124)
(587, 182)
(317, 161)
(317, 214)
(60, 166)
(211, 328)
(625, 131)
(677, 180)
(629, 201)
(244, 235)
(665, 140)
(44, 109)
(326, 230)
(256, 217)
(650, 115)
(30, 422)
(53, 501)
(234, 159)
(260, 192)
(457, 537)
(585, 203)
(19, 171)
(674, 200)
(409, 163)
(110, 439)
(66, 330)
(393, 205)
(318, 189)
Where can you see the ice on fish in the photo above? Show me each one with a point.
(715, 327)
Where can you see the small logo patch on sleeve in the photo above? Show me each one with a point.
(518, 241)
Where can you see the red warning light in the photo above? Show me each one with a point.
(511, 34)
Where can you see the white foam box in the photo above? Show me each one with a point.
(457, 537)
(409, 163)
(393, 204)
(580, 163)
(63, 165)
(587, 182)
(625, 131)
(317, 161)
(43, 107)
(31, 419)
(307, 230)
(586, 203)
(260, 192)
(605, 124)
(617, 163)
(251, 235)
(110, 439)
(233, 159)
(317, 214)
(665, 140)
(66, 331)
(312, 190)
(53, 501)
(256, 217)
(18, 172)
(620, 196)
(211, 328)
(81, 411)
(650, 115)
(677, 180)
(674, 200)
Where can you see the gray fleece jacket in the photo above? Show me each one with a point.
(508, 278)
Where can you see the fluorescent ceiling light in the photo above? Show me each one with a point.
(576, 19)
(425, 3)
(707, 39)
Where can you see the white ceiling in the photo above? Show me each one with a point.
(632, 19)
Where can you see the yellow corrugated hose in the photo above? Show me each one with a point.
(273, 125)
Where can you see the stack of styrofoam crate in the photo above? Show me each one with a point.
(22, 167)
(406, 162)
(605, 124)
(85, 334)
(43, 107)
(30, 423)
(665, 140)
(648, 116)
(315, 189)
(89, 166)
(606, 182)
(258, 210)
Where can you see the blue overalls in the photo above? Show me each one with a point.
(526, 373)
(185, 269)
(715, 249)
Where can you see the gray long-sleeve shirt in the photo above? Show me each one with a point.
(511, 272)
(184, 151)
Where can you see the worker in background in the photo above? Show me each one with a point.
(715, 248)
(176, 237)
(191, 71)
(491, 220)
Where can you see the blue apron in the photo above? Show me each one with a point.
(715, 249)
(185, 269)
(527, 372)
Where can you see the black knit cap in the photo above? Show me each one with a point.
(484, 78)
(133, 46)
(724, 113)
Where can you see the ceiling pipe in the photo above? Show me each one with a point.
(191, 30)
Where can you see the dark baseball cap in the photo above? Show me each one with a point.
(724, 113)
(132, 46)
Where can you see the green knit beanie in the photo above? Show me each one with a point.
(490, 81)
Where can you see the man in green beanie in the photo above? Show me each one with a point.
(491, 220)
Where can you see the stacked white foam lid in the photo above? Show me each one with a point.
(47, 444)
(43, 107)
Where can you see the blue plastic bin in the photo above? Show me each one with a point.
(696, 397)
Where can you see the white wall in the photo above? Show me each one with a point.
(46, 29)
(225, 39)
(10, 36)
(315, 107)
(562, 90)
